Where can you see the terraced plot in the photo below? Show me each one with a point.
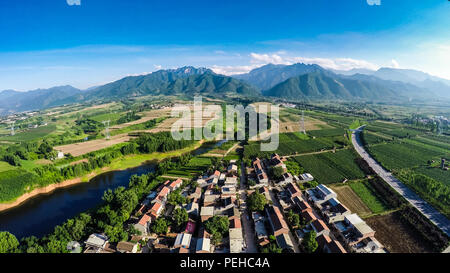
(331, 167)
(402, 155)
(351, 200)
(368, 196)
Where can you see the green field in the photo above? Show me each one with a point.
(4, 166)
(31, 134)
(368, 195)
(14, 183)
(295, 143)
(331, 167)
(327, 132)
(196, 166)
(403, 155)
(435, 173)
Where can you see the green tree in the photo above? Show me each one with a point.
(8, 242)
(218, 224)
(277, 172)
(294, 219)
(179, 217)
(160, 226)
(256, 201)
(309, 242)
(216, 238)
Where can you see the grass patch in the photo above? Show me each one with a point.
(31, 134)
(331, 167)
(367, 194)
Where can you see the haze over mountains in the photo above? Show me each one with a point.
(293, 82)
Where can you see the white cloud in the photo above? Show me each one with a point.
(157, 67)
(232, 70)
(331, 63)
(394, 64)
(373, 2)
(258, 60)
(73, 2)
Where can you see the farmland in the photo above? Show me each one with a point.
(296, 143)
(369, 196)
(331, 167)
(396, 235)
(351, 200)
(195, 167)
(31, 134)
(400, 155)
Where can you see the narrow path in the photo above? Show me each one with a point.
(249, 234)
(314, 153)
(426, 209)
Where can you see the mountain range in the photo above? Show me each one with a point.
(293, 82)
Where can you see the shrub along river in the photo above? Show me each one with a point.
(39, 215)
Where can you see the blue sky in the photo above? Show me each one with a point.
(49, 42)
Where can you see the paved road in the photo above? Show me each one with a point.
(427, 210)
(249, 233)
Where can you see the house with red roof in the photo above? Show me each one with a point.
(320, 227)
(276, 220)
(293, 190)
(175, 184)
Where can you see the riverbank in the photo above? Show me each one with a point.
(126, 162)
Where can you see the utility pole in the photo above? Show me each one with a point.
(106, 123)
(12, 128)
(302, 125)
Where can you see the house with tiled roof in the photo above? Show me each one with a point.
(334, 211)
(286, 179)
(203, 242)
(260, 228)
(156, 209)
(320, 227)
(276, 220)
(353, 229)
(206, 213)
(235, 223)
(293, 190)
(163, 194)
(328, 245)
(301, 204)
(175, 184)
(183, 240)
(308, 216)
(265, 191)
(143, 223)
(197, 193)
(236, 240)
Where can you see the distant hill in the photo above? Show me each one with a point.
(182, 81)
(269, 75)
(438, 86)
(361, 87)
(14, 101)
(185, 80)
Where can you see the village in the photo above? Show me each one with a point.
(244, 211)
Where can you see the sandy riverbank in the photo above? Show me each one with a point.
(38, 191)
(50, 188)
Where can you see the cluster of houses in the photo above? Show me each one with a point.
(154, 204)
(220, 198)
(215, 195)
(259, 175)
(346, 227)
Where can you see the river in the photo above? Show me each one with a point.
(39, 215)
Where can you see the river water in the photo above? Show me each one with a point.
(39, 215)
